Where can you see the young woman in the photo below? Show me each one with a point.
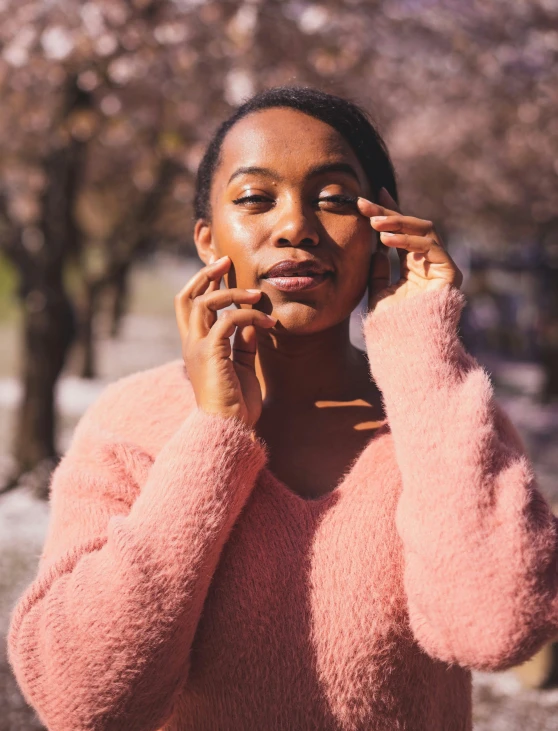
(284, 532)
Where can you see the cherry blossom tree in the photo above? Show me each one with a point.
(108, 105)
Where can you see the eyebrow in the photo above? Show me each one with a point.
(328, 167)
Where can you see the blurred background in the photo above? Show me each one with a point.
(107, 106)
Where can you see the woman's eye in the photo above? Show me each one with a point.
(335, 201)
(339, 200)
(252, 200)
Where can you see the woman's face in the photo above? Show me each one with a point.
(273, 198)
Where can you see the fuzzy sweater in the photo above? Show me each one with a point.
(184, 587)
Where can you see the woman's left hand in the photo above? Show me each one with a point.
(424, 263)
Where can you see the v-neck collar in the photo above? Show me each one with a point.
(319, 503)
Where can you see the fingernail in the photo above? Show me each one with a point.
(255, 291)
(386, 233)
(221, 258)
(378, 218)
(273, 319)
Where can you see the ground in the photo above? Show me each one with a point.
(149, 338)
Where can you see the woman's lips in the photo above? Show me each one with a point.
(295, 284)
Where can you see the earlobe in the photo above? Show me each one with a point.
(203, 239)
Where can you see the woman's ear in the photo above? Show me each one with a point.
(203, 240)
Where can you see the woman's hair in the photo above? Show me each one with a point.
(352, 123)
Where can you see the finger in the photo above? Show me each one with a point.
(199, 283)
(416, 226)
(425, 245)
(386, 205)
(226, 297)
(205, 307)
(214, 285)
(402, 224)
(380, 274)
(231, 319)
(369, 209)
(209, 277)
(244, 346)
(390, 219)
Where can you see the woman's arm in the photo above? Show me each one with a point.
(101, 639)
(480, 542)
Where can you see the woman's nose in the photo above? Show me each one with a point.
(295, 226)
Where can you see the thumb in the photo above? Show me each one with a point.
(380, 275)
(244, 346)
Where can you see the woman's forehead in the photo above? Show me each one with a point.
(283, 138)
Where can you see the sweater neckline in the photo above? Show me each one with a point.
(333, 495)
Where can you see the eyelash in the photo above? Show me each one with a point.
(342, 199)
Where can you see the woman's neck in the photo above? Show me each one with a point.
(295, 371)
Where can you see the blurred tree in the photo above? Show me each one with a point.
(108, 105)
(77, 129)
(38, 243)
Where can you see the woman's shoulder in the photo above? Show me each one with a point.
(144, 408)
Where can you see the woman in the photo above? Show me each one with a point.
(286, 532)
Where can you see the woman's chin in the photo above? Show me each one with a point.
(298, 318)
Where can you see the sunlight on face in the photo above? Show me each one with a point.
(285, 188)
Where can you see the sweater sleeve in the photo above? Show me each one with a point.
(480, 542)
(101, 639)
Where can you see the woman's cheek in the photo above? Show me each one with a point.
(240, 242)
(355, 269)
(356, 284)
(357, 239)
(352, 234)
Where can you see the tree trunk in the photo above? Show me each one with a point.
(116, 287)
(119, 292)
(48, 333)
(85, 350)
(49, 325)
(549, 361)
(548, 335)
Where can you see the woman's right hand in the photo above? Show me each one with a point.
(222, 384)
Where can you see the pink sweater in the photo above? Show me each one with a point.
(184, 587)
